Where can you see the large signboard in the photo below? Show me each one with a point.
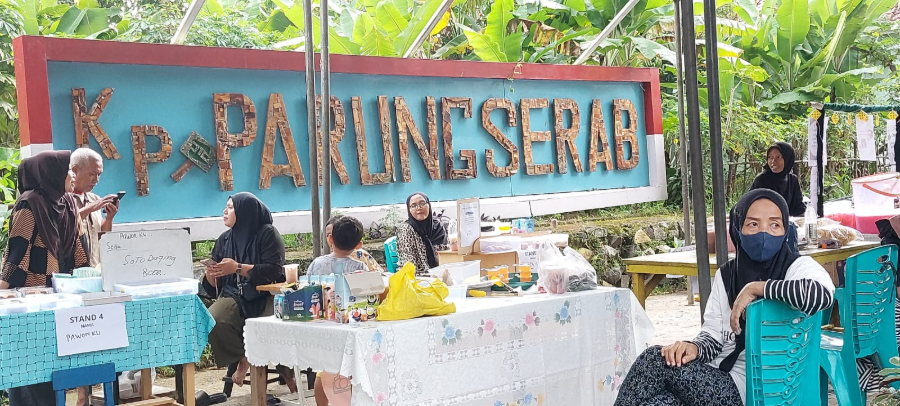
(182, 128)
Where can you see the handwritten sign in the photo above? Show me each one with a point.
(145, 256)
(469, 228)
(90, 328)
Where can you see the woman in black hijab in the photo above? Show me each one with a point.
(778, 175)
(421, 236)
(710, 370)
(44, 239)
(248, 255)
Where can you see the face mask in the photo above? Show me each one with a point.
(763, 246)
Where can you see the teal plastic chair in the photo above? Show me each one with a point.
(782, 353)
(85, 376)
(390, 254)
(866, 305)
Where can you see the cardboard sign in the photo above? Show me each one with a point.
(146, 256)
(530, 257)
(90, 328)
(468, 214)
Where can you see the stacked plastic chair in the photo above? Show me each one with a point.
(390, 254)
(866, 305)
(782, 353)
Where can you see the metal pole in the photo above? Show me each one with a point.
(606, 31)
(696, 152)
(311, 129)
(435, 18)
(325, 72)
(715, 130)
(189, 17)
(682, 146)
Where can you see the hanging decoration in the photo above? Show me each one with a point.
(817, 157)
(835, 119)
(865, 137)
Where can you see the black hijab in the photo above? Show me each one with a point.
(781, 181)
(742, 270)
(251, 214)
(42, 182)
(430, 230)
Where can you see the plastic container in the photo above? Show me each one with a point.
(56, 301)
(500, 244)
(158, 289)
(876, 193)
(68, 284)
(457, 292)
(17, 306)
(9, 294)
(459, 271)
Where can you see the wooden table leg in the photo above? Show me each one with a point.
(637, 286)
(147, 383)
(257, 385)
(188, 377)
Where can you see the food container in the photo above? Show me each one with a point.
(56, 301)
(19, 305)
(500, 244)
(70, 284)
(35, 291)
(159, 289)
(458, 271)
(9, 294)
(457, 292)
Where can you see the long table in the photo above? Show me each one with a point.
(571, 349)
(161, 332)
(647, 271)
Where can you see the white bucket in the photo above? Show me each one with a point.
(876, 193)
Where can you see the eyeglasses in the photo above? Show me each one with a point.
(420, 205)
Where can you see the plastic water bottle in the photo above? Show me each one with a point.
(811, 221)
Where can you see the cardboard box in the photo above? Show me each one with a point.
(302, 305)
(357, 296)
(487, 260)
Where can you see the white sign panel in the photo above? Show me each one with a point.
(865, 138)
(146, 256)
(891, 127)
(469, 227)
(90, 328)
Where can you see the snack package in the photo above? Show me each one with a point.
(565, 272)
(843, 234)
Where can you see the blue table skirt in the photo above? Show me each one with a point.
(161, 331)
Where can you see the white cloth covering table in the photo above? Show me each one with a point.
(534, 350)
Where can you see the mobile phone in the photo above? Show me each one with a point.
(208, 262)
(120, 195)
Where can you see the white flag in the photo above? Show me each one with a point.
(865, 138)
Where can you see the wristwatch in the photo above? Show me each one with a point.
(239, 269)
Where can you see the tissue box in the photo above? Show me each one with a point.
(302, 305)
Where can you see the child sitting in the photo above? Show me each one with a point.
(344, 235)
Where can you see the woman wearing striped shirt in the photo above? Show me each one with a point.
(710, 370)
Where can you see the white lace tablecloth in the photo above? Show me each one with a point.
(536, 350)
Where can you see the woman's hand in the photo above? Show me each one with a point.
(751, 292)
(210, 275)
(680, 353)
(225, 267)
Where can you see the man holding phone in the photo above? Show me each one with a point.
(87, 165)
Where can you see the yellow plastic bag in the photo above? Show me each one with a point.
(406, 299)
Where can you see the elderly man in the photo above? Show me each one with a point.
(87, 165)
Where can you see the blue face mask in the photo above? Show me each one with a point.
(762, 246)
